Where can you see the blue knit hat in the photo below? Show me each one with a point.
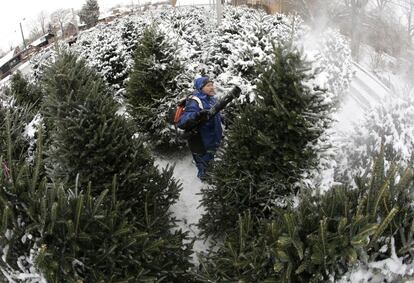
(199, 83)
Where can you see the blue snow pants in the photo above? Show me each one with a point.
(202, 161)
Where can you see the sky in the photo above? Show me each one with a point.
(26, 11)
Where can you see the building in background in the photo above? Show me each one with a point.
(9, 61)
(42, 41)
(270, 6)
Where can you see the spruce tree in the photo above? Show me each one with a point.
(24, 93)
(88, 137)
(129, 35)
(323, 237)
(112, 61)
(64, 233)
(23, 106)
(269, 146)
(89, 14)
(152, 87)
(19, 118)
(89, 141)
(389, 124)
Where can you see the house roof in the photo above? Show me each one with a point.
(6, 58)
(106, 15)
(38, 41)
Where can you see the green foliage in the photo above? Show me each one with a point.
(110, 61)
(19, 182)
(75, 236)
(89, 14)
(13, 122)
(87, 240)
(152, 88)
(269, 146)
(323, 237)
(245, 255)
(89, 139)
(129, 35)
(24, 101)
(25, 94)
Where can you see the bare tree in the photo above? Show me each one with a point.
(42, 20)
(319, 12)
(382, 4)
(11, 45)
(357, 15)
(60, 17)
(408, 6)
(301, 7)
(35, 33)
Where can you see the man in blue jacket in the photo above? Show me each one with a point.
(204, 132)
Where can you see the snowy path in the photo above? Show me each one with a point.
(187, 209)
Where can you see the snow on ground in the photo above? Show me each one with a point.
(24, 68)
(365, 92)
(388, 270)
(187, 210)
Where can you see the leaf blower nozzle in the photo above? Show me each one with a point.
(222, 103)
(235, 92)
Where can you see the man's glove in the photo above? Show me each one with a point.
(203, 116)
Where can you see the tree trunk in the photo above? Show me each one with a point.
(410, 27)
(357, 7)
(354, 24)
(61, 28)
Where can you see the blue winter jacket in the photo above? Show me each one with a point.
(210, 131)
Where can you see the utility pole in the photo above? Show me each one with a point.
(75, 21)
(21, 30)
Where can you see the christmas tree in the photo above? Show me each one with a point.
(24, 93)
(153, 86)
(269, 147)
(129, 35)
(110, 60)
(323, 237)
(65, 232)
(18, 119)
(389, 124)
(91, 143)
(89, 14)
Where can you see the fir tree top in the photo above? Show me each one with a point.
(89, 13)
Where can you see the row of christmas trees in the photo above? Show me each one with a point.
(88, 204)
(264, 233)
(85, 202)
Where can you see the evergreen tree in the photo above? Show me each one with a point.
(24, 100)
(88, 138)
(25, 94)
(89, 14)
(389, 124)
(153, 86)
(323, 237)
(19, 118)
(269, 147)
(129, 35)
(112, 61)
(67, 234)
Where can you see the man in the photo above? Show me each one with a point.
(204, 132)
